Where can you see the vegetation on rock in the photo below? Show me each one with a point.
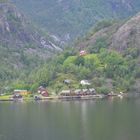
(111, 61)
(69, 18)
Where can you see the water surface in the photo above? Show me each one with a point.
(70, 120)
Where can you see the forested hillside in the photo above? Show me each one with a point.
(22, 46)
(69, 18)
(111, 60)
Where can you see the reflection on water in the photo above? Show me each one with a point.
(70, 120)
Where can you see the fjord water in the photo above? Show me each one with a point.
(70, 120)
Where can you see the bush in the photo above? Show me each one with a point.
(102, 24)
(103, 90)
(79, 61)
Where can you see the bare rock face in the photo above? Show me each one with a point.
(22, 44)
(16, 31)
(127, 35)
(12, 23)
(119, 36)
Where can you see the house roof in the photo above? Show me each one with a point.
(65, 91)
(85, 82)
(67, 81)
(19, 90)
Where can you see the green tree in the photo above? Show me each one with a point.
(79, 61)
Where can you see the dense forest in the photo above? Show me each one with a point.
(110, 63)
(107, 70)
(22, 46)
(68, 18)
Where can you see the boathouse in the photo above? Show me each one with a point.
(20, 92)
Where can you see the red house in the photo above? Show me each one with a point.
(83, 52)
(43, 91)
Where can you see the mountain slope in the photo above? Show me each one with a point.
(17, 31)
(69, 18)
(111, 60)
(22, 46)
(120, 36)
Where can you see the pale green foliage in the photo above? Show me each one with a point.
(75, 17)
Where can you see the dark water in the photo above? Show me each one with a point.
(70, 120)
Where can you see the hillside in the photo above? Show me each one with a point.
(16, 31)
(122, 36)
(69, 18)
(111, 61)
(22, 46)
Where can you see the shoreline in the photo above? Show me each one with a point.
(86, 97)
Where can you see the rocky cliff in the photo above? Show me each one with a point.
(22, 46)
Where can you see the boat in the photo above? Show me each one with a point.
(37, 98)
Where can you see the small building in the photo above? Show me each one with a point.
(83, 52)
(78, 91)
(43, 91)
(92, 91)
(85, 90)
(17, 96)
(67, 81)
(21, 92)
(85, 82)
(65, 93)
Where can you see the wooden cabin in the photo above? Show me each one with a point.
(43, 91)
(21, 92)
(65, 93)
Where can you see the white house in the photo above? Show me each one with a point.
(85, 82)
